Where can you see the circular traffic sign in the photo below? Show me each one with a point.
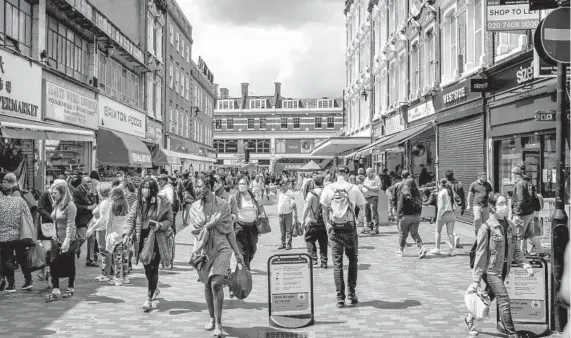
(555, 35)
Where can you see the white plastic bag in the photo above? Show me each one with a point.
(478, 303)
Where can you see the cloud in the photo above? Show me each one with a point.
(271, 40)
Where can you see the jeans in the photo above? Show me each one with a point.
(121, 257)
(173, 227)
(497, 289)
(247, 238)
(481, 214)
(90, 255)
(372, 212)
(526, 221)
(105, 255)
(286, 228)
(344, 242)
(316, 233)
(409, 224)
(8, 260)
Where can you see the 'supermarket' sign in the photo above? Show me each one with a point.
(510, 15)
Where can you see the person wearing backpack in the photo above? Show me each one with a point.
(492, 260)
(523, 208)
(314, 224)
(339, 201)
(459, 198)
(409, 208)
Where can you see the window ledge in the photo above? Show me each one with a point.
(446, 82)
(504, 56)
(470, 70)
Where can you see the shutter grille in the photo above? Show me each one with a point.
(461, 148)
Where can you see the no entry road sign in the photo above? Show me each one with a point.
(555, 35)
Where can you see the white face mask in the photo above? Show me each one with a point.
(242, 188)
(502, 211)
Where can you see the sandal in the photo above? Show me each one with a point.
(68, 293)
(50, 297)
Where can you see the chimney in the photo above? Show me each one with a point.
(223, 93)
(278, 89)
(244, 89)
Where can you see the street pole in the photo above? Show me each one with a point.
(560, 230)
(372, 83)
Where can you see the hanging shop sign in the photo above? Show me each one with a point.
(394, 124)
(480, 85)
(421, 111)
(20, 87)
(67, 106)
(510, 15)
(154, 131)
(119, 117)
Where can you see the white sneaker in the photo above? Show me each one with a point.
(102, 278)
(435, 251)
(452, 253)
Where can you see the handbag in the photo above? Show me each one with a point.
(240, 282)
(197, 261)
(28, 231)
(148, 251)
(35, 258)
(478, 303)
(297, 229)
(263, 224)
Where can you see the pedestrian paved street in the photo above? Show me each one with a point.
(399, 297)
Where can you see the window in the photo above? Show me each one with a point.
(403, 75)
(250, 123)
(280, 146)
(393, 84)
(159, 41)
(414, 70)
(263, 146)
(262, 123)
(258, 104)
(449, 45)
(289, 104)
(16, 24)
(219, 146)
(119, 83)
(284, 123)
(158, 98)
(295, 123)
(218, 124)
(182, 46)
(181, 122)
(510, 42)
(170, 119)
(318, 122)
(429, 59)
(188, 53)
(230, 124)
(330, 122)
(182, 82)
(171, 75)
(176, 78)
(171, 35)
(67, 52)
(151, 34)
(475, 34)
(150, 95)
(177, 42)
(324, 104)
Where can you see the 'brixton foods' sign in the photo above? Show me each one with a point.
(119, 117)
(20, 87)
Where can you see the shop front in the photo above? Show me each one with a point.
(120, 147)
(516, 137)
(194, 157)
(70, 106)
(461, 134)
(421, 148)
(393, 158)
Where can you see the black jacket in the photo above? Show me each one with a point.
(83, 199)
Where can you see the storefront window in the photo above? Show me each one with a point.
(423, 167)
(66, 155)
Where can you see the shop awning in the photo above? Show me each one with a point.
(403, 136)
(12, 127)
(121, 150)
(165, 157)
(368, 149)
(196, 157)
(339, 144)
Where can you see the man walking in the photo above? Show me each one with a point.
(480, 191)
(314, 224)
(371, 188)
(459, 197)
(85, 203)
(287, 211)
(339, 201)
(167, 191)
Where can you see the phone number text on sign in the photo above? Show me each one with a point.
(510, 16)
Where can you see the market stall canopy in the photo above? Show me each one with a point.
(121, 150)
(311, 166)
(195, 157)
(336, 145)
(249, 167)
(368, 149)
(403, 136)
(165, 157)
(12, 127)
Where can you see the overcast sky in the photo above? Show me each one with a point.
(297, 42)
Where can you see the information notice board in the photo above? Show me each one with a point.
(290, 290)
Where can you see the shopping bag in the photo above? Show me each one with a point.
(36, 258)
(297, 229)
(263, 224)
(148, 251)
(28, 231)
(478, 303)
(240, 282)
(165, 242)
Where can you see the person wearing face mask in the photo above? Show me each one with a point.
(495, 251)
(246, 210)
(150, 210)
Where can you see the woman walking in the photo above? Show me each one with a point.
(496, 249)
(246, 209)
(99, 226)
(256, 186)
(149, 211)
(210, 222)
(409, 208)
(45, 209)
(64, 263)
(445, 216)
(113, 243)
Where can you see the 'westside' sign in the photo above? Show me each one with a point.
(119, 117)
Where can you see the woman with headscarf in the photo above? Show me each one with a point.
(149, 211)
(210, 222)
(63, 265)
(99, 226)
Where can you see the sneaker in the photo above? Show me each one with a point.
(147, 306)
(91, 264)
(126, 280)
(340, 304)
(457, 242)
(452, 253)
(435, 251)
(288, 247)
(400, 253)
(10, 289)
(281, 247)
(102, 278)
(353, 298)
(28, 285)
(422, 253)
(365, 231)
(376, 231)
(323, 265)
(2, 285)
(471, 327)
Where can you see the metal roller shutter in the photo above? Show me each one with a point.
(461, 148)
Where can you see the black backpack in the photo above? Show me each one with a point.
(318, 215)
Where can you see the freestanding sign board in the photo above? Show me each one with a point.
(529, 297)
(510, 15)
(290, 291)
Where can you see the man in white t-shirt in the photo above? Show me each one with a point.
(342, 232)
(287, 211)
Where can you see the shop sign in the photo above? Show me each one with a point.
(231, 147)
(455, 94)
(480, 85)
(520, 75)
(293, 146)
(154, 131)
(377, 130)
(119, 117)
(421, 111)
(67, 106)
(183, 146)
(210, 153)
(306, 146)
(20, 87)
(542, 69)
(140, 158)
(510, 15)
(394, 124)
